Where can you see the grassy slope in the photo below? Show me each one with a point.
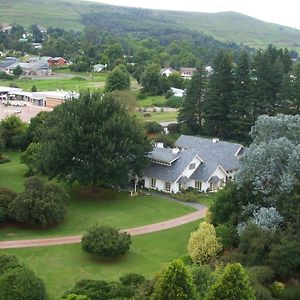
(224, 26)
(61, 266)
(106, 207)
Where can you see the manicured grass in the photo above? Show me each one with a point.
(86, 209)
(12, 173)
(75, 83)
(193, 196)
(161, 116)
(152, 101)
(62, 266)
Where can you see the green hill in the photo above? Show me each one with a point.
(225, 26)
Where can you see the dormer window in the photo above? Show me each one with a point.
(192, 166)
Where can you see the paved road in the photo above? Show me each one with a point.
(133, 231)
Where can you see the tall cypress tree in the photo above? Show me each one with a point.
(241, 114)
(219, 97)
(191, 113)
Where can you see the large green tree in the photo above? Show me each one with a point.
(151, 80)
(234, 284)
(118, 79)
(241, 108)
(191, 113)
(219, 96)
(174, 283)
(92, 140)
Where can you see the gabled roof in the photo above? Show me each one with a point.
(173, 172)
(163, 154)
(213, 153)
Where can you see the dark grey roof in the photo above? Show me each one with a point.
(204, 171)
(218, 153)
(163, 154)
(6, 63)
(170, 173)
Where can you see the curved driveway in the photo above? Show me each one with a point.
(133, 231)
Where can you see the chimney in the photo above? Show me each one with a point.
(159, 145)
(215, 140)
(175, 150)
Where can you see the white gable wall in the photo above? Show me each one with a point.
(187, 172)
(160, 185)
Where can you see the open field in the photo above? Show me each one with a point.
(75, 83)
(151, 101)
(161, 116)
(61, 266)
(86, 209)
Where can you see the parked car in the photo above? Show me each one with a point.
(17, 110)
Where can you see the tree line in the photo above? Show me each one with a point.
(227, 102)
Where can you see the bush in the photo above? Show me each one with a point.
(203, 278)
(203, 245)
(228, 235)
(6, 262)
(132, 279)
(173, 128)
(41, 203)
(6, 197)
(261, 274)
(277, 289)
(174, 102)
(19, 282)
(105, 241)
(153, 127)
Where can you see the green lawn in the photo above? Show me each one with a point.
(151, 101)
(161, 116)
(193, 196)
(61, 266)
(106, 207)
(75, 83)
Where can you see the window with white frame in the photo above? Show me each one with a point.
(167, 186)
(198, 185)
(153, 183)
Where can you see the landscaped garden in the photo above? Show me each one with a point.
(86, 208)
(61, 267)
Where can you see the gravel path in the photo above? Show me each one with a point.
(133, 231)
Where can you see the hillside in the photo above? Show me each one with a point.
(226, 26)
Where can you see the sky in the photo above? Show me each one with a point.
(275, 11)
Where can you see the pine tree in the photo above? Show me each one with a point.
(219, 97)
(191, 113)
(241, 115)
(234, 284)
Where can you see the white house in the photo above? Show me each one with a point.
(203, 164)
(187, 73)
(99, 67)
(177, 92)
(167, 72)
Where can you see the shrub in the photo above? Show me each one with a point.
(277, 289)
(173, 128)
(203, 278)
(105, 241)
(6, 262)
(174, 282)
(132, 279)
(41, 203)
(6, 197)
(233, 284)
(153, 127)
(261, 274)
(19, 282)
(228, 235)
(174, 102)
(203, 244)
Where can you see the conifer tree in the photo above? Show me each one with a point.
(234, 284)
(191, 113)
(219, 97)
(174, 283)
